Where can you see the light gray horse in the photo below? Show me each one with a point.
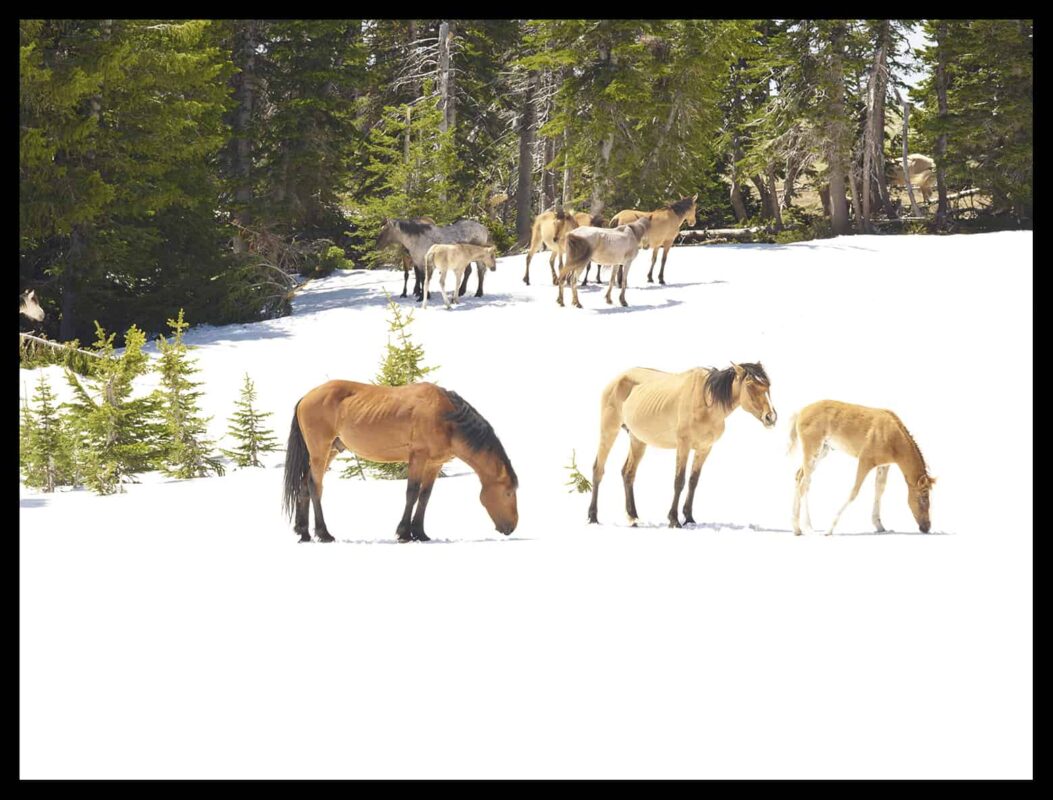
(615, 247)
(417, 236)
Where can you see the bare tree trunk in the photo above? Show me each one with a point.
(566, 172)
(444, 75)
(914, 210)
(548, 176)
(526, 164)
(835, 130)
(942, 207)
(853, 191)
(774, 198)
(600, 180)
(245, 95)
(762, 193)
(793, 169)
(451, 79)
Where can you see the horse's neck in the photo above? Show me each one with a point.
(483, 463)
(908, 457)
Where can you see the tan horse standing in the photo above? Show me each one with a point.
(456, 257)
(419, 424)
(685, 411)
(616, 247)
(550, 231)
(921, 171)
(665, 226)
(877, 438)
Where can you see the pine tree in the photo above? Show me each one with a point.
(188, 452)
(246, 427)
(401, 366)
(114, 436)
(44, 446)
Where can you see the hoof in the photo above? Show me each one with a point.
(420, 536)
(624, 304)
(661, 282)
(650, 279)
(304, 537)
(324, 536)
(798, 533)
(689, 519)
(610, 302)
(675, 523)
(593, 520)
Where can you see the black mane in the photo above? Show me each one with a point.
(680, 206)
(719, 382)
(477, 433)
(413, 227)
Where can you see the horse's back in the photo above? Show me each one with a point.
(606, 245)
(847, 426)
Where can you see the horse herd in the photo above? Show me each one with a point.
(577, 240)
(424, 426)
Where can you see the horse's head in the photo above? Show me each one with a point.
(28, 305)
(918, 500)
(387, 235)
(755, 392)
(690, 218)
(499, 499)
(489, 258)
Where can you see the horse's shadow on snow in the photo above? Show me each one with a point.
(620, 309)
(502, 540)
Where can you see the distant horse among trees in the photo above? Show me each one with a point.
(920, 169)
(665, 226)
(419, 424)
(420, 233)
(29, 307)
(877, 438)
(550, 231)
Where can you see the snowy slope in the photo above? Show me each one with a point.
(178, 630)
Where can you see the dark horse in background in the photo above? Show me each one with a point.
(420, 233)
(419, 424)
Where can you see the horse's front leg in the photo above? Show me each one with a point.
(632, 462)
(405, 279)
(879, 489)
(481, 272)
(623, 276)
(610, 424)
(654, 258)
(442, 287)
(678, 483)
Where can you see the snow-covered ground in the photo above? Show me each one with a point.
(179, 630)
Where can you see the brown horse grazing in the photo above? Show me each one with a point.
(550, 231)
(877, 438)
(419, 424)
(685, 411)
(616, 247)
(456, 257)
(665, 225)
(420, 233)
(29, 307)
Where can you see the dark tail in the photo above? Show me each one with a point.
(578, 251)
(297, 463)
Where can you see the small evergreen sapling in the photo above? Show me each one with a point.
(578, 482)
(401, 366)
(188, 451)
(114, 436)
(45, 454)
(247, 428)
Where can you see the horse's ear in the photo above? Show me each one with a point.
(32, 294)
(924, 482)
(694, 198)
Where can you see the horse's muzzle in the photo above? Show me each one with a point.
(924, 527)
(506, 528)
(769, 419)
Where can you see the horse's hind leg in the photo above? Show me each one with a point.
(665, 255)
(303, 507)
(552, 266)
(481, 272)
(812, 452)
(879, 489)
(865, 465)
(632, 462)
(610, 420)
(696, 469)
(654, 258)
(314, 486)
(464, 281)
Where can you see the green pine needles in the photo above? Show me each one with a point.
(246, 426)
(45, 445)
(578, 482)
(401, 365)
